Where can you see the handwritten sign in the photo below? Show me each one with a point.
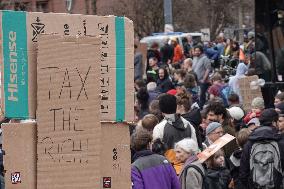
(68, 112)
(213, 148)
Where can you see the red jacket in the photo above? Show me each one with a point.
(248, 118)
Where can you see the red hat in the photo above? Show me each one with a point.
(172, 92)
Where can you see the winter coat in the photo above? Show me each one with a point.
(152, 171)
(259, 134)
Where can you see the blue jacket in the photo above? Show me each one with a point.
(153, 171)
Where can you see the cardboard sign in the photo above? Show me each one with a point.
(213, 148)
(20, 31)
(115, 156)
(68, 113)
(247, 93)
(19, 143)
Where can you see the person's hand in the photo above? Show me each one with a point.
(252, 115)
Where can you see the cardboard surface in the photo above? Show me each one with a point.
(115, 156)
(68, 112)
(117, 51)
(19, 143)
(213, 148)
(247, 93)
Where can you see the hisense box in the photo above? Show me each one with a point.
(19, 33)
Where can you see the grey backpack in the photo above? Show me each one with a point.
(265, 165)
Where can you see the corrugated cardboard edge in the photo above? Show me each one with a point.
(32, 169)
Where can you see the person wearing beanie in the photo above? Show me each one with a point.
(257, 105)
(213, 132)
(172, 128)
(266, 133)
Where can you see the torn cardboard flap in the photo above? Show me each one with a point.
(19, 143)
(68, 112)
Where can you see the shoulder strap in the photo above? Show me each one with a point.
(195, 167)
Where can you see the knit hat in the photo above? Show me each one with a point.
(257, 102)
(168, 104)
(236, 113)
(212, 126)
(268, 116)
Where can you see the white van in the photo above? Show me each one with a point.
(160, 38)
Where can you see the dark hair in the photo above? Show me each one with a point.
(140, 140)
(234, 98)
(218, 109)
(166, 74)
(189, 81)
(155, 109)
(199, 47)
(154, 58)
(268, 116)
(158, 147)
(140, 83)
(154, 45)
(143, 97)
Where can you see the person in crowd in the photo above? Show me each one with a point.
(179, 76)
(212, 53)
(173, 128)
(142, 103)
(187, 66)
(152, 72)
(167, 52)
(220, 44)
(217, 84)
(233, 82)
(235, 159)
(187, 45)
(139, 83)
(147, 165)
(178, 55)
(279, 98)
(186, 152)
(263, 170)
(153, 52)
(280, 123)
(202, 67)
(152, 91)
(228, 47)
(164, 83)
(257, 105)
(213, 132)
(191, 86)
(138, 64)
(216, 112)
(234, 100)
(237, 114)
(155, 110)
(149, 121)
(191, 115)
(218, 176)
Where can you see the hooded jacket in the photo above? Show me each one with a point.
(259, 134)
(170, 132)
(152, 171)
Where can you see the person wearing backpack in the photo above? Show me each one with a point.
(262, 160)
(172, 128)
(191, 176)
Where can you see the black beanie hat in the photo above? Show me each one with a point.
(268, 116)
(168, 104)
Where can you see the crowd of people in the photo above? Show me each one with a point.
(185, 103)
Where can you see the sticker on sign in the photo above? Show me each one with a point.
(106, 182)
(16, 177)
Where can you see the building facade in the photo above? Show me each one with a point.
(57, 6)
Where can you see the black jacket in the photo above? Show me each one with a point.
(164, 85)
(260, 134)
